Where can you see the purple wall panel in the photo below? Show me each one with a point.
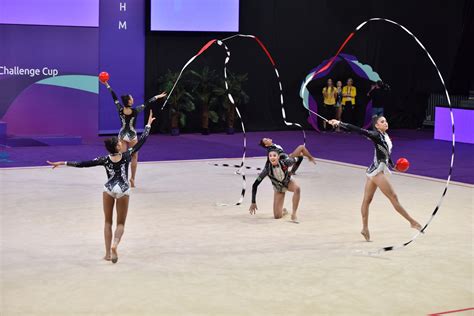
(72, 51)
(33, 109)
(61, 112)
(50, 12)
(122, 55)
(464, 124)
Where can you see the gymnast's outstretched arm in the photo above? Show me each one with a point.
(261, 176)
(114, 96)
(99, 161)
(142, 107)
(353, 128)
(144, 135)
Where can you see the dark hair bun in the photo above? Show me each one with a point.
(111, 144)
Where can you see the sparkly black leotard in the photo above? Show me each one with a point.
(383, 149)
(127, 131)
(282, 154)
(117, 184)
(279, 175)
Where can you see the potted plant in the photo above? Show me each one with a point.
(235, 82)
(204, 84)
(180, 100)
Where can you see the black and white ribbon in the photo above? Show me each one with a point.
(448, 180)
(235, 166)
(231, 99)
(277, 74)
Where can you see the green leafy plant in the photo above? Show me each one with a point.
(235, 82)
(181, 100)
(206, 88)
(204, 84)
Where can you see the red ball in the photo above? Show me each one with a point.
(104, 76)
(402, 165)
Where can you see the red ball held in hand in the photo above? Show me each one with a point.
(402, 165)
(104, 76)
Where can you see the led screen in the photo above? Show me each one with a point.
(195, 15)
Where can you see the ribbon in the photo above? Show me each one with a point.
(448, 180)
(231, 99)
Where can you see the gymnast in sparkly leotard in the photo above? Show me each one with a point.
(376, 171)
(117, 188)
(128, 116)
(301, 150)
(277, 169)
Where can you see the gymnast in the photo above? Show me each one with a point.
(117, 188)
(301, 150)
(128, 116)
(277, 169)
(376, 171)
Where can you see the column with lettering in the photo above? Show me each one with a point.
(122, 55)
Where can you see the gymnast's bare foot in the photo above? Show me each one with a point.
(114, 257)
(107, 257)
(294, 218)
(132, 182)
(416, 225)
(312, 159)
(366, 234)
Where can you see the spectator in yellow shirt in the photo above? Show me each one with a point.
(329, 103)
(349, 93)
(338, 102)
